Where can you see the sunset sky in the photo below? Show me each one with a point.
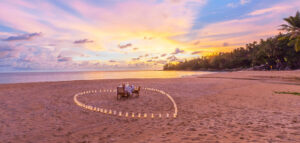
(53, 35)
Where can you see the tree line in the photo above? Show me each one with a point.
(280, 52)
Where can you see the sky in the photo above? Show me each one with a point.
(82, 35)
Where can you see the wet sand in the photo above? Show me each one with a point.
(222, 107)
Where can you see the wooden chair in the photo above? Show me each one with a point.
(136, 91)
(121, 92)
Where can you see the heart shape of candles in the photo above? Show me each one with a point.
(124, 113)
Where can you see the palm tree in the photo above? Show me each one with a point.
(293, 29)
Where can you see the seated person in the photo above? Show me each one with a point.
(129, 88)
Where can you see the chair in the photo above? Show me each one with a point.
(121, 92)
(136, 91)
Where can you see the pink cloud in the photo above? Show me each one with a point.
(138, 15)
(124, 46)
(172, 58)
(197, 52)
(178, 51)
(82, 41)
(23, 37)
(112, 61)
(269, 10)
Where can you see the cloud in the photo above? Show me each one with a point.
(232, 5)
(82, 41)
(5, 51)
(241, 2)
(27, 59)
(138, 15)
(161, 62)
(63, 59)
(31, 57)
(84, 55)
(155, 57)
(175, 1)
(172, 58)
(148, 38)
(5, 48)
(8, 51)
(142, 56)
(23, 37)
(178, 51)
(268, 10)
(124, 46)
(135, 59)
(105, 24)
(196, 43)
(197, 52)
(112, 61)
(51, 44)
(225, 44)
(163, 55)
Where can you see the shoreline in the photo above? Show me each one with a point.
(186, 76)
(57, 74)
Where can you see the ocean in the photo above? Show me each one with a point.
(25, 77)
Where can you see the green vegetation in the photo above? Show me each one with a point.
(293, 29)
(279, 52)
(293, 93)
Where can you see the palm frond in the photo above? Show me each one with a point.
(293, 29)
(297, 19)
(290, 21)
(285, 27)
(297, 44)
(292, 42)
(283, 38)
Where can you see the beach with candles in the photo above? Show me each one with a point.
(149, 71)
(232, 106)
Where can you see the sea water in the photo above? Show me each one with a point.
(24, 77)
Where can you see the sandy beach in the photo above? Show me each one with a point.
(222, 107)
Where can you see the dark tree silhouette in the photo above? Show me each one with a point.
(293, 29)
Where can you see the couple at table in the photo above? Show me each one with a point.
(128, 88)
